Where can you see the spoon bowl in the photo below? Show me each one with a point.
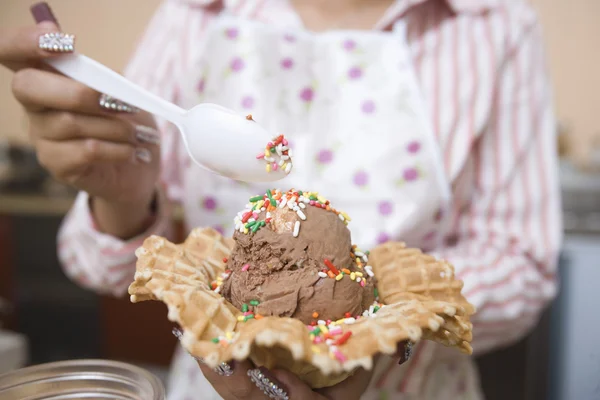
(216, 138)
(227, 143)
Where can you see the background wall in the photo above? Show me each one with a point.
(89, 20)
(572, 35)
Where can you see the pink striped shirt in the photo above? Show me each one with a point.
(481, 67)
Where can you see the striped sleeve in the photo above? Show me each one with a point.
(508, 237)
(101, 262)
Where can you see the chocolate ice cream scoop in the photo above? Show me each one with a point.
(293, 257)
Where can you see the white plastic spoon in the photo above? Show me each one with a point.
(216, 138)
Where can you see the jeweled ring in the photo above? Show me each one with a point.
(270, 389)
(112, 104)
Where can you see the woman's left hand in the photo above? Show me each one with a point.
(246, 382)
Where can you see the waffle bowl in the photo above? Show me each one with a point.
(421, 300)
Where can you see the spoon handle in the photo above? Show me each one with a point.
(101, 78)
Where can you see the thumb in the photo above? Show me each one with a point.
(295, 388)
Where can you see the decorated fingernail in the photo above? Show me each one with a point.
(267, 384)
(224, 369)
(146, 134)
(178, 334)
(42, 12)
(408, 348)
(111, 104)
(143, 155)
(57, 42)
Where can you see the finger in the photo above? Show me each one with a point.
(351, 388)
(237, 385)
(21, 46)
(61, 126)
(294, 387)
(68, 160)
(40, 90)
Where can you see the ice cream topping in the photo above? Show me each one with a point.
(277, 155)
(293, 255)
(248, 221)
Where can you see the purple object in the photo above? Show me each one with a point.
(385, 208)
(325, 156)
(361, 178)
(42, 12)
(410, 174)
(307, 94)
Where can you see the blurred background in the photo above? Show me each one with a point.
(44, 317)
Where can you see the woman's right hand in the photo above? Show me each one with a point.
(112, 156)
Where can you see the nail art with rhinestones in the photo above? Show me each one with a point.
(111, 104)
(408, 349)
(57, 42)
(267, 384)
(143, 155)
(224, 369)
(146, 134)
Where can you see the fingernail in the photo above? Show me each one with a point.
(146, 134)
(112, 104)
(267, 384)
(408, 348)
(225, 369)
(42, 12)
(178, 334)
(57, 42)
(143, 155)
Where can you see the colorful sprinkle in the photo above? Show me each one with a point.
(277, 154)
(254, 302)
(295, 200)
(296, 228)
(246, 267)
(339, 356)
(315, 315)
(218, 283)
(331, 267)
(343, 339)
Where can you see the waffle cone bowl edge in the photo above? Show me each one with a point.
(421, 301)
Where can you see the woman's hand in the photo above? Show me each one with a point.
(114, 156)
(250, 383)
(244, 381)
